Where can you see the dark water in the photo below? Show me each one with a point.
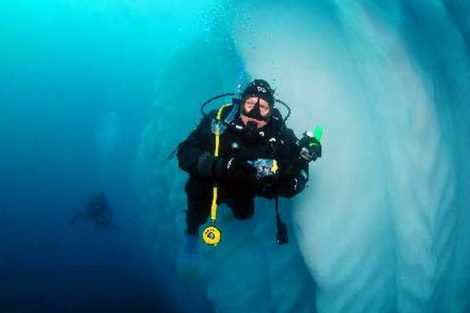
(64, 69)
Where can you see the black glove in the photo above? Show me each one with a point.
(233, 170)
(310, 149)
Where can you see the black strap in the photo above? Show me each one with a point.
(172, 153)
(277, 207)
(282, 235)
(212, 99)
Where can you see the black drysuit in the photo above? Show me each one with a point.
(273, 141)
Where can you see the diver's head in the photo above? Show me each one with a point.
(259, 88)
(257, 103)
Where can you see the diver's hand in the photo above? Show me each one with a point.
(311, 151)
(233, 169)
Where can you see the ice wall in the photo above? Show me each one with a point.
(390, 84)
(382, 227)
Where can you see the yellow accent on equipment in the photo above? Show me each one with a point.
(275, 167)
(211, 234)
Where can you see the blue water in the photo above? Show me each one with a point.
(95, 94)
(64, 68)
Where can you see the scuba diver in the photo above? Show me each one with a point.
(96, 211)
(237, 152)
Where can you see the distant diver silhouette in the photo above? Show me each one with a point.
(96, 211)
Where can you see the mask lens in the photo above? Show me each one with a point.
(254, 110)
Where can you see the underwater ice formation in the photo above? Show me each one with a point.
(383, 225)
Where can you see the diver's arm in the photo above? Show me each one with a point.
(293, 170)
(193, 152)
(293, 180)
